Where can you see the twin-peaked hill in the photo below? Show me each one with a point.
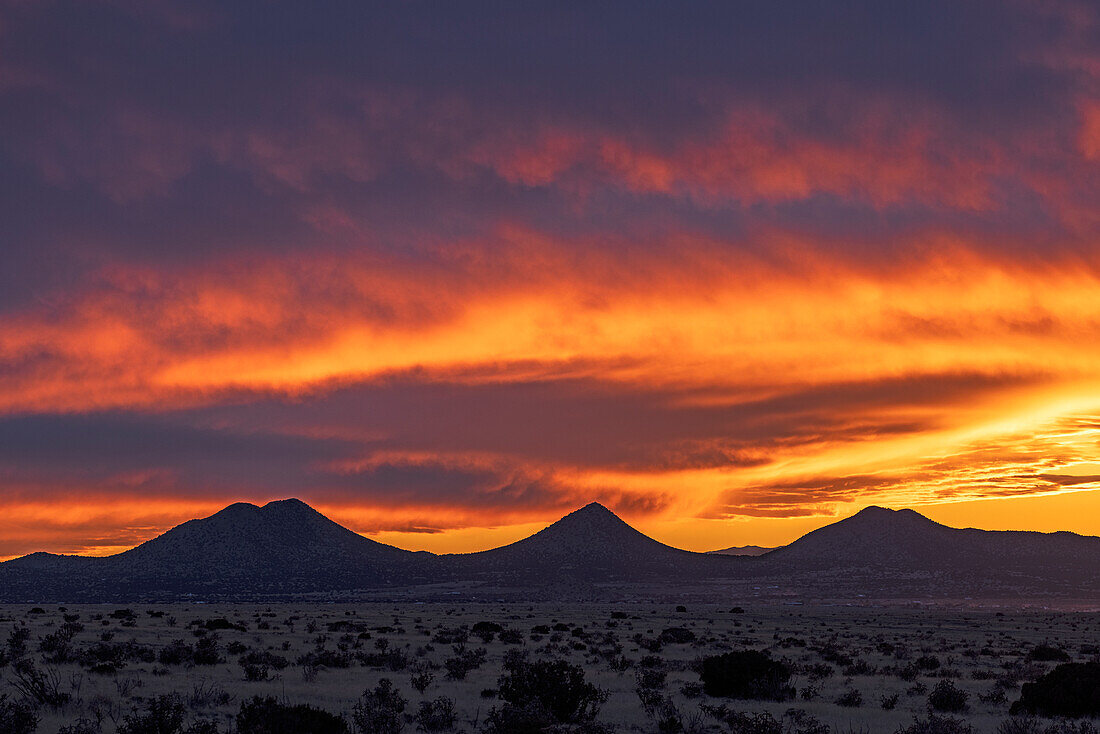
(287, 549)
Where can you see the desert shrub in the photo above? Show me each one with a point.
(927, 662)
(947, 697)
(176, 652)
(745, 722)
(464, 660)
(511, 637)
(392, 659)
(1020, 725)
(208, 694)
(937, 725)
(16, 717)
(17, 642)
(325, 659)
(380, 711)
(800, 721)
(1071, 689)
(451, 636)
(436, 715)
(833, 654)
(677, 636)
(56, 647)
(691, 690)
(517, 720)
(555, 687)
(995, 696)
(662, 711)
(889, 703)
(859, 667)
(1063, 726)
(207, 652)
(650, 678)
(268, 716)
(80, 726)
(851, 698)
(162, 715)
(486, 630)
(257, 665)
(41, 685)
(202, 727)
(421, 678)
(1048, 654)
(748, 674)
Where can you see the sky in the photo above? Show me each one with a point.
(447, 271)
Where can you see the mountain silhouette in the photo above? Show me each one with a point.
(281, 547)
(288, 550)
(591, 543)
(880, 549)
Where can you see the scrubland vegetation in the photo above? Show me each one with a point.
(519, 669)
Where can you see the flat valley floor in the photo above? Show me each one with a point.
(856, 668)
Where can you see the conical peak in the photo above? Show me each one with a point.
(287, 506)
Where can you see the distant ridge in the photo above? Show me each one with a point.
(288, 550)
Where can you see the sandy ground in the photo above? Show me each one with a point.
(974, 648)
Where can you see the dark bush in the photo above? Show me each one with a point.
(927, 662)
(176, 652)
(851, 698)
(257, 665)
(947, 697)
(677, 636)
(436, 715)
(554, 687)
(16, 717)
(748, 674)
(517, 720)
(937, 725)
(1071, 689)
(17, 642)
(511, 637)
(325, 658)
(1048, 654)
(80, 726)
(268, 716)
(206, 652)
(41, 685)
(1022, 725)
(745, 722)
(380, 711)
(459, 666)
(162, 715)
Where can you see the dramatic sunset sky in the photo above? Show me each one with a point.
(447, 271)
